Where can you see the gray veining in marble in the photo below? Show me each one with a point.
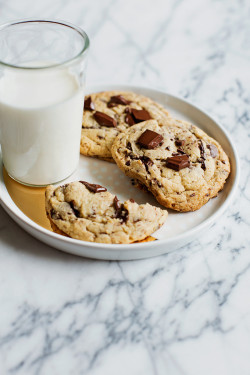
(186, 313)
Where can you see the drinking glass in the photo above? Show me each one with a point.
(42, 79)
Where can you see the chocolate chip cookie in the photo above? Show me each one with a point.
(89, 212)
(108, 113)
(176, 161)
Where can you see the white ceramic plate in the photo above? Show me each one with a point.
(179, 229)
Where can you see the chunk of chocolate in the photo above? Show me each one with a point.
(88, 104)
(129, 119)
(132, 200)
(104, 120)
(150, 139)
(117, 204)
(120, 212)
(203, 164)
(178, 162)
(129, 147)
(180, 151)
(147, 162)
(202, 150)
(140, 115)
(118, 99)
(111, 105)
(179, 143)
(94, 188)
(75, 210)
(213, 150)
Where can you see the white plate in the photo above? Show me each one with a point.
(179, 229)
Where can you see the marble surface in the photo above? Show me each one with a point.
(186, 313)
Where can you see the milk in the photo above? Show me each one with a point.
(40, 124)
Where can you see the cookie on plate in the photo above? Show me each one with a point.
(89, 212)
(108, 113)
(176, 161)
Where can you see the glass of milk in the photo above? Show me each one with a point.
(42, 75)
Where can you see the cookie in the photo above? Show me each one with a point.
(89, 212)
(108, 113)
(176, 161)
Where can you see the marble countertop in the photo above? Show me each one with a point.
(186, 313)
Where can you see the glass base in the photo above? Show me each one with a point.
(38, 185)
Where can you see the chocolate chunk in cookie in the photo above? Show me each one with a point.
(104, 120)
(140, 115)
(178, 162)
(150, 139)
(78, 213)
(88, 104)
(118, 99)
(213, 150)
(93, 187)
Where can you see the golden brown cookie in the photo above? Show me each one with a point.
(108, 113)
(176, 161)
(89, 212)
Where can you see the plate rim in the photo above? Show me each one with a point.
(145, 245)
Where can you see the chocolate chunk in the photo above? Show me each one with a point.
(192, 195)
(140, 115)
(180, 151)
(202, 150)
(120, 212)
(111, 105)
(104, 120)
(223, 161)
(118, 99)
(75, 210)
(179, 143)
(213, 150)
(129, 147)
(178, 162)
(203, 155)
(167, 148)
(147, 162)
(129, 119)
(203, 164)
(94, 188)
(117, 203)
(127, 163)
(132, 200)
(150, 139)
(88, 104)
(123, 214)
